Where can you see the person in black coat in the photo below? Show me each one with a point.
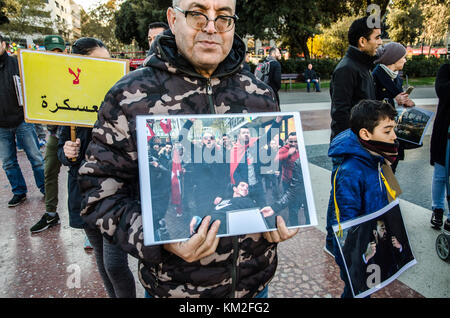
(246, 65)
(438, 147)
(275, 71)
(84, 137)
(389, 85)
(112, 261)
(208, 167)
(311, 76)
(12, 127)
(352, 79)
(293, 198)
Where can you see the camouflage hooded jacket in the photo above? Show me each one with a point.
(109, 179)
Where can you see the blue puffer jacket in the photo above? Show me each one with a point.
(359, 187)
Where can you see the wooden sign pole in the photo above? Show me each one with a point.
(73, 137)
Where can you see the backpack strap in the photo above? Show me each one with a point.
(391, 191)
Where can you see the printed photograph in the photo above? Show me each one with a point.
(412, 124)
(375, 249)
(241, 169)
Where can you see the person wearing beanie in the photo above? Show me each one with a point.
(389, 86)
(391, 59)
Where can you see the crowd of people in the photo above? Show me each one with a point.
(195, 66)
(211, 166)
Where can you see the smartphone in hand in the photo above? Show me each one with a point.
(409, 90)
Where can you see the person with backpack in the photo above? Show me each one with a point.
(269, 71)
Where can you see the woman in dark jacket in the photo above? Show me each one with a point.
(389, 85)
(438, 147)
(112, 262)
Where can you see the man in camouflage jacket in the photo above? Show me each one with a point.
(191, 70)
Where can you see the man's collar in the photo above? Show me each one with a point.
(362, 57)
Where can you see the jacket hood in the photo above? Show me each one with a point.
(164, 55)
(347, 144)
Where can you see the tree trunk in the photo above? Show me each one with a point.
(303, 44)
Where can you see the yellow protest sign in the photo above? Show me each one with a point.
(66, 89)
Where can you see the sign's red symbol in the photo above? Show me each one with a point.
(76, 81)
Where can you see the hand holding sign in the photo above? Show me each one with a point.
(72, 149)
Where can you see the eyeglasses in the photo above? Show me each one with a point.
(209, 138)
(199, 21)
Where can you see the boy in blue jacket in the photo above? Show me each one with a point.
(363, 183)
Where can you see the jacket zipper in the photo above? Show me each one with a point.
(209, 92)
(234, 266)
(379, 175)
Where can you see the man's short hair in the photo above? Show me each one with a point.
(358, 29)
(177, 2)
(156, 25)
(292, 134)
(1, 38)
(272, 49)
(368, 113)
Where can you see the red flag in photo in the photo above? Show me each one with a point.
(166, 125)
(150, 133)
(175, 182)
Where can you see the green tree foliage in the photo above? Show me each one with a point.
(126, 23)
(419, 21)
(335, 42)
(294, 22)
(3, 18)
(134, 16)
(405, 22)
(26, 17)
(436, 14)
(99, 23)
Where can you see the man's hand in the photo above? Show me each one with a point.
(72, 149)
(217, 200)
(401, 98)
(201, 244)
(281, 234)
(371, 250)
(396, 243)
(292, 150)
(409, 103)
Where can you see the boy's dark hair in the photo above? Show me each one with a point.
(84, 46)
(368, 113)
(155, 25)
(358, 29)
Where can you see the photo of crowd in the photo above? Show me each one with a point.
(218, 166)
(412, 124)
